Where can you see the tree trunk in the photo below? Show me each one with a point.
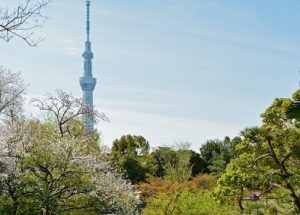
(295, 198)
(285, 176)
(240, 204)
(240, 199)
(15, 208)
(47, 211)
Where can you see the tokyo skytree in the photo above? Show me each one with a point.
(87, 81)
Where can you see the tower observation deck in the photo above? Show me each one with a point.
(87, 81)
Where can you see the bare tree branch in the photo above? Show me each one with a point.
(64, 108)
(21, 21)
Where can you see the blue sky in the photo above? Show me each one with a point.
(170, 70)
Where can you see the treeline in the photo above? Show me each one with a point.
(54, 166)
(175, 180)
(131, 156)
(255, 173)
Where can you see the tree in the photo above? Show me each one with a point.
(218, 165)
(208, 149)
(159, 158)
(22, 20)
(197, 163)
(227, 152)
(133, 168)
(130, 145)
(218, 154)
(12, 90)
(281, 136)
(177, 164)
(181, 170)
(44, 171)
(271, 148)
(293, 112)
(237, 180)
(128, 154)
(62, 108)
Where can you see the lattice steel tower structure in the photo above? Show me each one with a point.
(87, 81)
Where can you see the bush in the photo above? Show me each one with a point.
(154, 186)
(187, 202)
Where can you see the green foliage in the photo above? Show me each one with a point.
(208, 149)
(217, 154)
(237, 178)
(52, 179)
(276, 202)
(159, 159)
(60, 175)
(155, 186)
(187, 202)
(181, 170)
(178, 165)
(293, 111)
(275, 116)
(296, 149)
(48, 177)
(133, 168)
(160, 195)
(128, 154)
(197, 163)
(218, 164)
(130, 145)
(267, 158)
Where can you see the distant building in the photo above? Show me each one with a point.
(87, 81)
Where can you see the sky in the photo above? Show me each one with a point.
(170, 70)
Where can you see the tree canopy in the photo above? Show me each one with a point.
(267, 158)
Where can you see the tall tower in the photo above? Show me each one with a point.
(87, 81)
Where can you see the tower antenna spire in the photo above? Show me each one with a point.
(88, 4)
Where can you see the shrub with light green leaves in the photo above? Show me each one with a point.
(187, 202)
